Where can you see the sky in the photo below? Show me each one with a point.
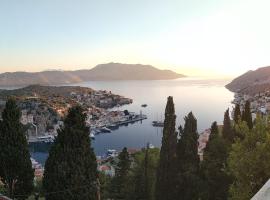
(222, 38)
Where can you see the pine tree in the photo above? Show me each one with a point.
(166, 179)
(216, 182)
(15, 165)
(237, 113)
(227, 131)
(188, 161)
(247, 117)
(71, 168)
(119, 187)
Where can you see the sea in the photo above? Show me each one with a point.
(207, 99)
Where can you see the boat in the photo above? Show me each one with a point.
(46, 139)
(158, 123)
(144, 105)
(105, 130)
(151, 146)
(92, 136)
(112, 153)
(113, 126)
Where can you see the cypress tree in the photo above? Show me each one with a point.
(15, 165)
(227, 131)
(142, 190)
(214, 131)
(247, 117)
(119, 187)
(237, 114)
(216, 182)
(71, 168)
(188, 161)
(166, 177)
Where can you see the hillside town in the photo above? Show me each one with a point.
(259, 103)
(43, 107)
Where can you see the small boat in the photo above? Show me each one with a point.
(113, 126)
(158, 123)
(92, 136)
(112, 153)
(46, 139)
(105, 130)
(144, 105)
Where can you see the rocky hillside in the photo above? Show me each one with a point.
(251, 82)
(110, 71)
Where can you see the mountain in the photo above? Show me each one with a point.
(251, 82)
(110, 71)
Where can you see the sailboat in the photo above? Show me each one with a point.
(158, 123)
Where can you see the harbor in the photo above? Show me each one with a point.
(94, 128)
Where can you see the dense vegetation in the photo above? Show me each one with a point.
(16, 171)
(235, 162)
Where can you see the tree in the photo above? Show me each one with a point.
(188, 160)
(249, 160)
(15, 165)
(216, 181)
(247, 117)
(71, 168)
(237, 114)
(119, 184)
(166, 179)
(144, 174)
(227, 131)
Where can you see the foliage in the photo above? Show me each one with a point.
(249, 160)
(144, 174)
(216, 181)
(237, 113)
(15, 165)
(119, 184)
(71, 168)
(246, 116)
(104, 181)
(166, 172)
(227, 132)
(188, 160)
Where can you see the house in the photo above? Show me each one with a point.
(107, 169)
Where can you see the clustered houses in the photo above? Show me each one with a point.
(259, 103)
(42, 112)
(102, 99)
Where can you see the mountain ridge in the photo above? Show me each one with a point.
(101, 72)
(251, 82)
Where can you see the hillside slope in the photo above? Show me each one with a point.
(251, 82)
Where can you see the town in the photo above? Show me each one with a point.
(259, 103)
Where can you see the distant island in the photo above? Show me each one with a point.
(102, 72)
(252, 82)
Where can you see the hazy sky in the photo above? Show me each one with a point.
(195, 37)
